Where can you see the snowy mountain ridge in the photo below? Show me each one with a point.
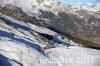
(33, 7)
(21, 45)
(79, 21)
(44, 33)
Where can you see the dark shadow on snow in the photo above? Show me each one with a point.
(15, 25)
(54, 39)
(12, 36)
(4, 61)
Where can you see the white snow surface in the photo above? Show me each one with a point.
(33, 7)
(20, 45)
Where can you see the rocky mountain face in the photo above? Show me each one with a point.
(25, 44)
(79, 22)
(47, 33)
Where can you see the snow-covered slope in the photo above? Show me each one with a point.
(77, 20)
(33, 7)
(21, 44)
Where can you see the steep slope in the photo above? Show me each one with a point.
(32, 7)
(79, 22)
(25, 44)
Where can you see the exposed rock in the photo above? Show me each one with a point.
(82, 26)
